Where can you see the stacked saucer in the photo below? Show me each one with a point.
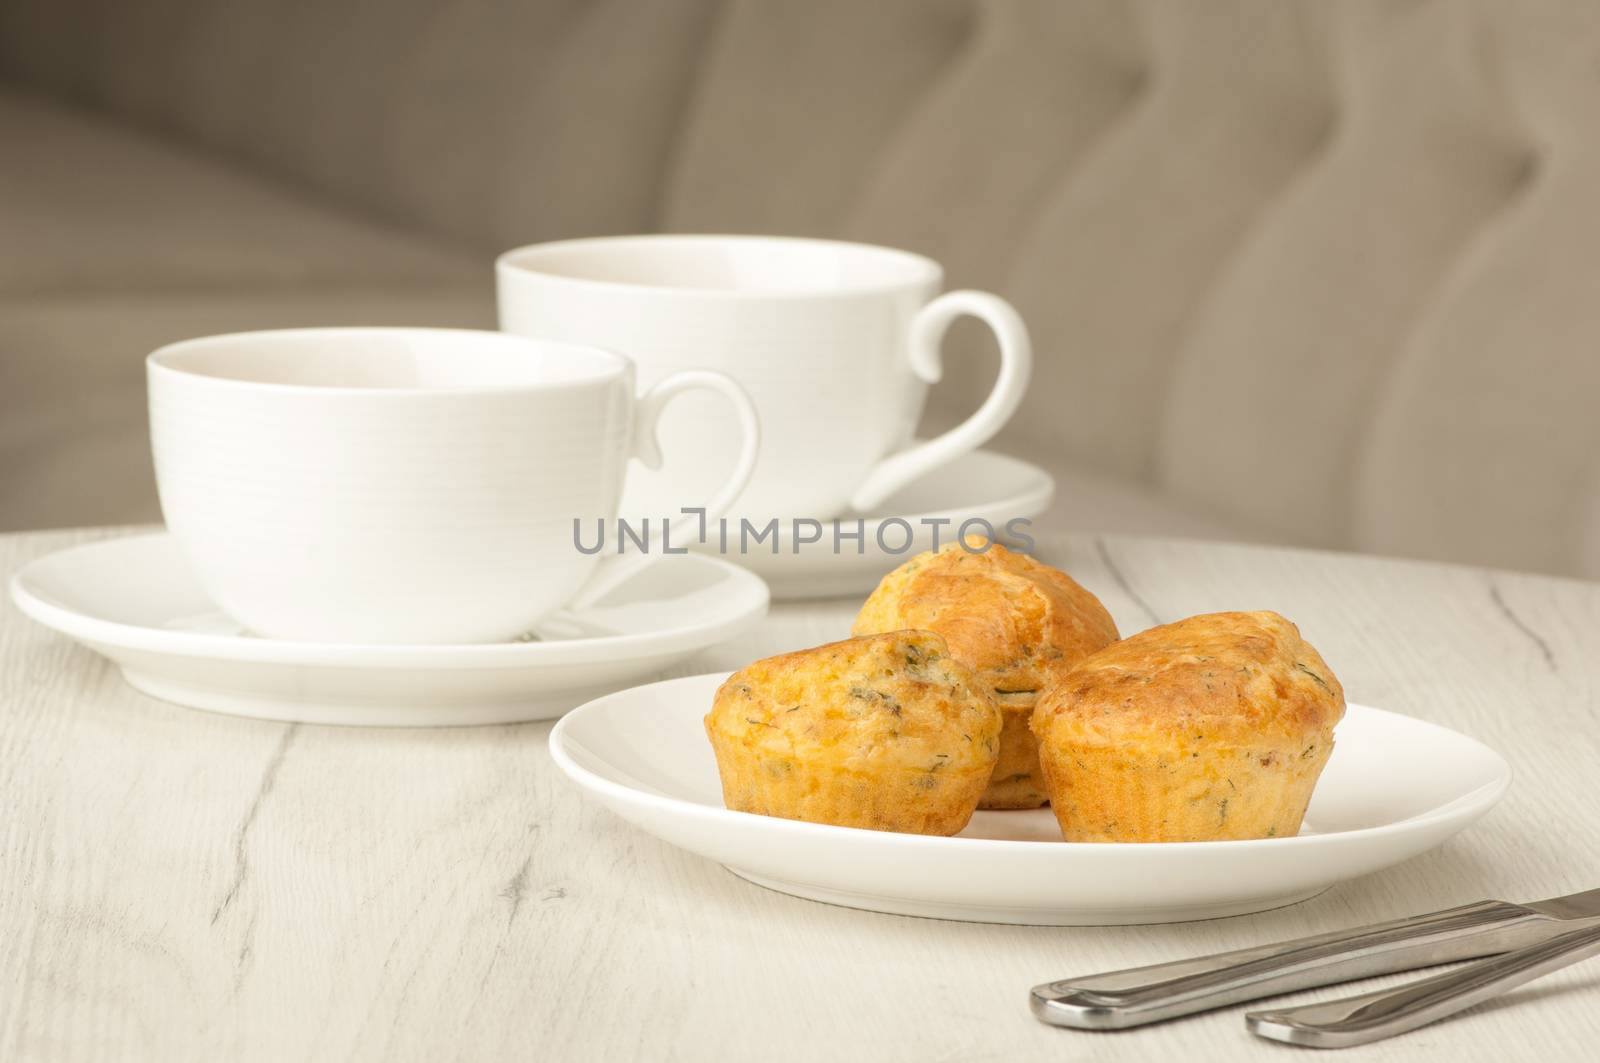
(136, 600)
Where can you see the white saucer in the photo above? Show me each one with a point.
(1394, 787)
(136, 601)
(982, 484)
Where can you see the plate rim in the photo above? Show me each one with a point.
(116, 634)
(1039, 494)
(1466, 807)
(1028, 503)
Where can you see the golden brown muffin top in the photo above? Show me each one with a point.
(1232, 678)
(896, 701)
(1017, 622)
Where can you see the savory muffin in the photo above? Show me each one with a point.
(887, 732)
(1213, 727)
(1016, 622)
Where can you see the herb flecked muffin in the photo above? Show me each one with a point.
(887, 732)
(1016, 622)
(1213, 727)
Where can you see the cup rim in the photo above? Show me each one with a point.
(928, 271)
(160, 361)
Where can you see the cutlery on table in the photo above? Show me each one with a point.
(1369, 1017)
(1120, 999)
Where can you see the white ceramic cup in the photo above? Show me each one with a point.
(836, 343)
(377, 485)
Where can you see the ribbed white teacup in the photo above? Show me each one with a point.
(385, 485)
(836, 343)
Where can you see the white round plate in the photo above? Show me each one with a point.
(136, 601)
(1394, 787)
(982, 484)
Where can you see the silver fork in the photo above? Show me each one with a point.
(1369, 1017)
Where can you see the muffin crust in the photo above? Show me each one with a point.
(1018, 623)
(1212, 727)
(886, 732)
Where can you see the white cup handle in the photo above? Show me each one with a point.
(614, 571)
(927, 333)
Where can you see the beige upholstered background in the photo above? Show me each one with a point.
(1324, 272)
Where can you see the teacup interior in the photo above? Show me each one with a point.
(743, 264)
(388, 359)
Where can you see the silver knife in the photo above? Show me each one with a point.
(1120, 999)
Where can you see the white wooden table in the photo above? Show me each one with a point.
(176, 885)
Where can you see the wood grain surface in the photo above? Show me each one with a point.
(176, 885)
